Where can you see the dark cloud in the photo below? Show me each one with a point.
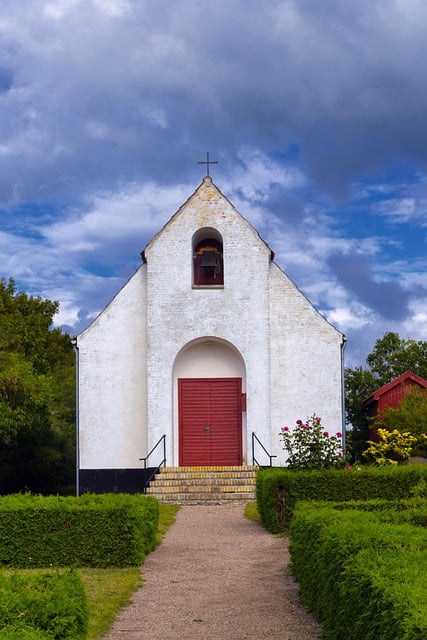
(96, 96)
(387, 298)
(6, 79)
(158, 85)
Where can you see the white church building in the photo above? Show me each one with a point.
(209, 348)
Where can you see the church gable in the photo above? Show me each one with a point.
(205, 238)
(289, 305)
(209, 322)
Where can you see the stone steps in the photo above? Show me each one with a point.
(204, 485)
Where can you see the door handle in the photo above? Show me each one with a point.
(207, 430)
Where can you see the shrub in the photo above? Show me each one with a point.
(108, 530)
(53, 603)
(279, 490)
(23, 632)
(410, 416)
(393, 447)
(362, 577)
(310, 446)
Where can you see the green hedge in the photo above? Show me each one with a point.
(278, 490)
(410, 510)
(23, 632)
(108, 530)
(362, 577)
(50, 606)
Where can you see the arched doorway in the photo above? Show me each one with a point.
(209, 379)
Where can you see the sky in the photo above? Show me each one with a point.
(315, 111)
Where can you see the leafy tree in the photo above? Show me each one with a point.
(359, 384)
(36, 395)
(390, 357)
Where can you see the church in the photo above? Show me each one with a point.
(206, 351)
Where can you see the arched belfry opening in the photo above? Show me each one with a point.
(208, 260)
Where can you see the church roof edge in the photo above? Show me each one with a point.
(206, 180)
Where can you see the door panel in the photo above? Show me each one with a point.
(210, 421)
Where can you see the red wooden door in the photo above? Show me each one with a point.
(210, 421)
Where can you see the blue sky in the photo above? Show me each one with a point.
(316, 112)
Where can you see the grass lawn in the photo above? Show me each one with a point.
(251, 512)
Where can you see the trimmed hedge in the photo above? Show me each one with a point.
(18, 632)
(411, 510)
(279, 489)
(108, 530)
(360, 576)
(49, 606)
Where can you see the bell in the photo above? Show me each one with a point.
(208, 260)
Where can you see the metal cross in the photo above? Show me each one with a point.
(208, 162)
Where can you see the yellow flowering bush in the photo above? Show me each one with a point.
(393, 447)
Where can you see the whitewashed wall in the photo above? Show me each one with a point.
(261, 328)
(112, 355)
(179, 313)
(305, 361)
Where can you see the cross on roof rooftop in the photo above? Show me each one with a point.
(207, 162)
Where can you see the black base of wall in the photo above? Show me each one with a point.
(114, 480)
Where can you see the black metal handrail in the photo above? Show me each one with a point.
(157, 467)
(254, 460)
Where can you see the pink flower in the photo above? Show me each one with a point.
(349, 467)
(339, 434)
(285, 428)
(325, 433)
(299, 421)
(318, 419)
(340, 454)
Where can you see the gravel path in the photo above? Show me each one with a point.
(216, 576)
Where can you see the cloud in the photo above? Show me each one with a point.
(386, 297)
(314, 110)
(84, 110)
(112, 218)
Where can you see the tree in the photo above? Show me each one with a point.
(390, 357)
(359, 384)
(36, 397)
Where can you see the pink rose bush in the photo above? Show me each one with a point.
(309, 445)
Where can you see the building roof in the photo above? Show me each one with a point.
(407, 376)
(206, 187)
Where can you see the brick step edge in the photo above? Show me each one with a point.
(199, 489)
(203, 499)
(191, 482)
(213, 475)
(208, 469)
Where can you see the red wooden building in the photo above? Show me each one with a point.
(391, 395)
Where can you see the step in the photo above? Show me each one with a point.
(189, 482)
(209, 468)
(199, 475)
(186, 499)
(204, 485)
(198, 488)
